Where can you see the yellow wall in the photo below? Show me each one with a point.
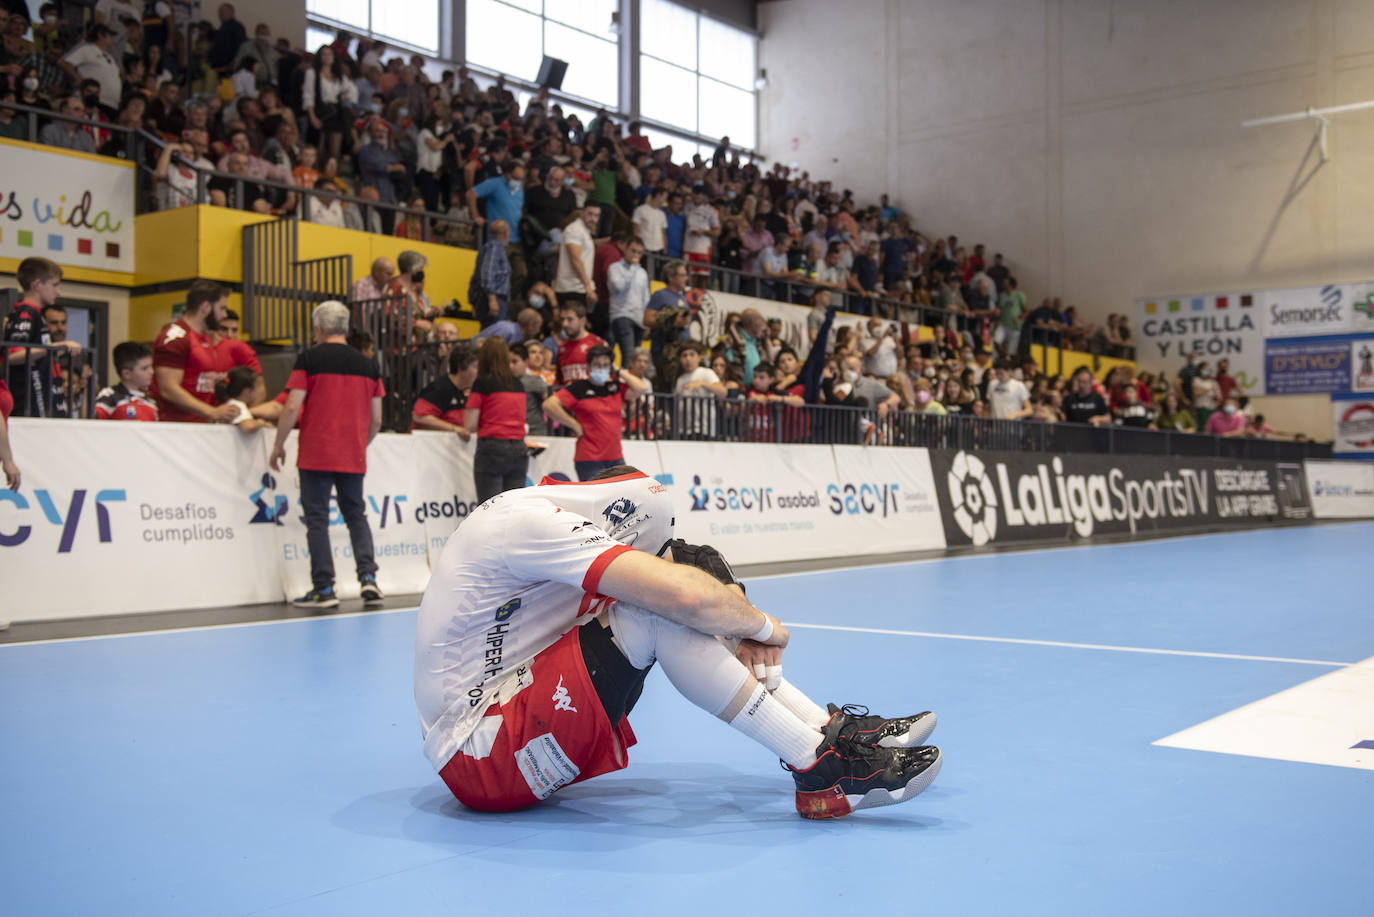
(1067, 362)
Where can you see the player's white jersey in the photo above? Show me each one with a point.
(520, 573)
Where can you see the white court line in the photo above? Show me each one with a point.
(1076, 646)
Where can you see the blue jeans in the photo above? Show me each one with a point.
(628, 334)
(315, 490)
(586, 470)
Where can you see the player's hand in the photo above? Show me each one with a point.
(764, 661)
(224, 413)
(11, 474)
(73, 347)
(276, 458)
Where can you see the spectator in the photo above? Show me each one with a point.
(573, 280)
(1261, 430)
(94, 60)
(535, 386)
(1228, 422)
(651, 222)
(74, 374)
(240, 193)
(1083, 404)
(331, 451)
(1183, 382)
(128, 399)
(541, 358)
(695, 386)
(187, 364)
(441, 404)
(381, 167)
(374, 285)
(34, 382)
(328, 97)
(69, 135)
(1133, 412)
(629, 296)
(1206, 394)
(1047, 325)
(773, 264)
(1011, 312)
(880, 349)
(592, 407)
(833, 275)
(229, 37)
(243, 389)
(753, 241)
(675, 226)
(325, 208)
(176, 171)
(259, 168)
(702, 227)
(864, 277)
(495, 411)
(577, 342)
(527, 325)
(260, 55)
(607, 253)
(924, 397)
(489, 289)
(1007, 398)
(1226, 383)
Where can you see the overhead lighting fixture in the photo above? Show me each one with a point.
(614, 28)
(761, 81)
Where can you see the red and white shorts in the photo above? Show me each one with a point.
(552, 733)
(699, 262)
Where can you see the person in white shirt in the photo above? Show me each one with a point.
(176, 171)
(879, 344)
(545, 612)
(326, 210)
(1008, 398)
(572, 281)
(696, 388)
(651, 223)
(629, 287)
(94, 61)
(703, 226)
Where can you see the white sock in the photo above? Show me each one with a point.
(803, 707)
(768, 722)
(705, 672)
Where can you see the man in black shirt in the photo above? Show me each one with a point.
(247, 195)
(1082, 404)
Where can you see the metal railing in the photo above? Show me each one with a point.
(280, 291)
(144, 148)
(47, 380)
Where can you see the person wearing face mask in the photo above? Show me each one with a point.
(505, 199)
(925, 399)
(1228, 422)
(1206, 394)
(593, 408)
(1183, 382)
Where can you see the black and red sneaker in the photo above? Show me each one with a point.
(849, 775)
(856, 723)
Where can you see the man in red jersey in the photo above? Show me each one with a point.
(187, 364)
(593, 408)
(345, 392)
(575, 342)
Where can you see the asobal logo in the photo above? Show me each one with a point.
(987, 500)
(974, 500)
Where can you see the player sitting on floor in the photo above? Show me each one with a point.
(546, 611)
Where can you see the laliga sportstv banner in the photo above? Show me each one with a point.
(999, 497)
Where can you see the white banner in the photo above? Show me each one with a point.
(1341, 490)
(122, 517)
(72, 208)
(884, 501)
(1226, 325)
(398, 535)
(445, 492)
(1352, 424)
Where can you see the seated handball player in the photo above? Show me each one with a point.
(547, 610)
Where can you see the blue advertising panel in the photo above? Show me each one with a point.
(1303, 366)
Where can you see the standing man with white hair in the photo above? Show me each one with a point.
(345, 394)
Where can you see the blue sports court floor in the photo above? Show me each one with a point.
(276, 769)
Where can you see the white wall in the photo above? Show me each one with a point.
(1097, 143)
(285, 17)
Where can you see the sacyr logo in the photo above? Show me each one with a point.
(973, 498)
(274, 514)
(619, 511)
(69, 523)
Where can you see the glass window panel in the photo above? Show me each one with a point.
(592, 16)
(315, 37)
(667, 93)
(668, 32)
(414, 22)
(592, 63)
(727, 54)
(727, 111)
(534, 6)
(503, 38)
(351, 12)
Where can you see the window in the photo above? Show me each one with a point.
(513, 36)
(412, 23)
(696, 73)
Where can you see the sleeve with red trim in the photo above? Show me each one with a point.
(424, 409)
(566, 398)
(244, 355)
(547, 543)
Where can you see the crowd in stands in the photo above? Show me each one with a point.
(572, 223)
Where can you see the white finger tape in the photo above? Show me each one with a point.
(772, 677)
